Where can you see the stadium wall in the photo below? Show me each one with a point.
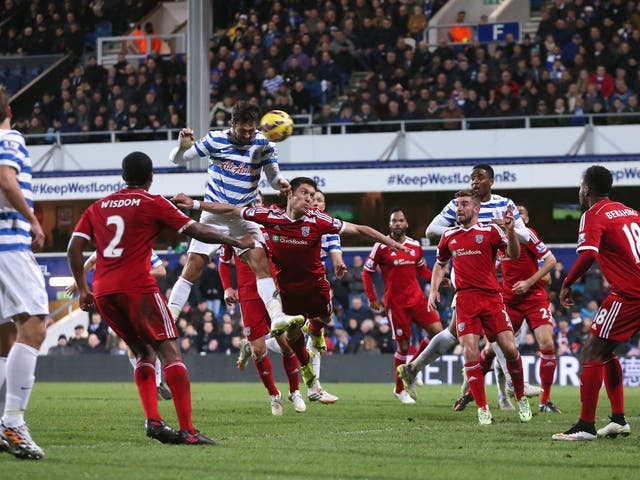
(358, 368)
(487, 144)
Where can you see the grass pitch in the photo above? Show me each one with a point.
(96, 431)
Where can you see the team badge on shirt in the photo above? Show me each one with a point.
(479, 238)
(305, 231)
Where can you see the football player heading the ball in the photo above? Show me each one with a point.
(237, 156)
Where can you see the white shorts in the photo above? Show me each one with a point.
(229, 224)
(23, 289)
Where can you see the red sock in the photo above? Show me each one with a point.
(298, 345)
(398, 359)
(145, 378)
(486, 361)
(517, 377)
(315, 326)
(265, 372)
(290, 365)
(590, 383)
(476, 383)
(547, 370)
(177, 378)
(423, 344)
(613, 384)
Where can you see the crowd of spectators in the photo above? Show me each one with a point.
(300, 57)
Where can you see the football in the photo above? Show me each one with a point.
(276, 125)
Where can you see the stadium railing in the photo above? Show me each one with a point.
(304, 126)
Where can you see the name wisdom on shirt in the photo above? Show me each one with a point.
(626, 212)
(128, 202)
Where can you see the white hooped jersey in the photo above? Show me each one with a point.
(495, 207)
(15, 230)
(234, 170)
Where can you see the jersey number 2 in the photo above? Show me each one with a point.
(111, 251)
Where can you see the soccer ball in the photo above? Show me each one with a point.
(276, 125)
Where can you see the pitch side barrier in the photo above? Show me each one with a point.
(349, 368)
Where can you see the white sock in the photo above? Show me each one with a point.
(439, 345)
(273, 345)
(179, 296)
(502, 364)
(3, 370)
(158, 372)
(315, 364)
(269, 295)
(21, 368)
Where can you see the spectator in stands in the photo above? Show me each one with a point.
(94, 345)
(561, 337)
(98, 326)
(417, 22)
(460, 33)
(358, 310)
(208, 333)
(211, 288)
(62, 347)
(603, 82)
(452, 116)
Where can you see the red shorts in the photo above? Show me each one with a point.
(534, 309)
(481, 313)
(255, 318)
(617, 319)
(138, 317)
(311, 303)
(401, 317)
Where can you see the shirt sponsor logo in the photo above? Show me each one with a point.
(229, 166)
(461, 252)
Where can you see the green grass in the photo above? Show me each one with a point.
(95, 431)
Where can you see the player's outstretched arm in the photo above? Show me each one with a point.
(179, 154)
(373, 234)
(208, 234)
(185, 202)
(436, 228)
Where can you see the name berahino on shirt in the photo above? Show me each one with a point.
(625, 212)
